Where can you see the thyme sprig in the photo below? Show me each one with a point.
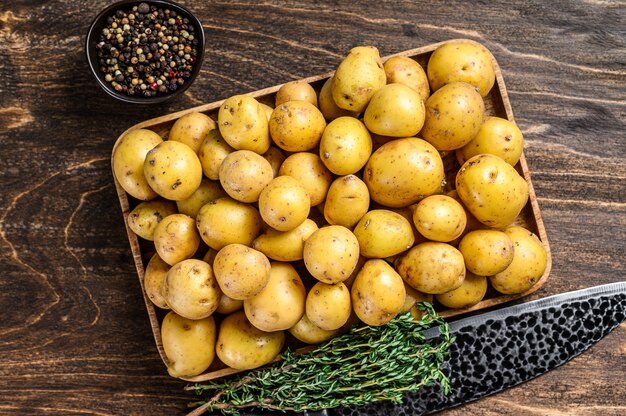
(364, 365)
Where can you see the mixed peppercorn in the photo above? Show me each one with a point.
(147, 51)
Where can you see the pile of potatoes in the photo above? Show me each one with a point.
(347, 204)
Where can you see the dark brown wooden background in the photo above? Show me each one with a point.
(74, 335)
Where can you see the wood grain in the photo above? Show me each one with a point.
(74, 333)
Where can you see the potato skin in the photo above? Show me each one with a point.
(228, 305)
(404, 70)
(241, 271)
(296, 91)
(144, 218)
(440, 218)
(296, 126)
(347, 201)
(153, 280)
(486, 252)
(243, 124)
(244, 174)
(496, 136)
(307, 332)
(377, 293)
(276, 157)
(327, 104)
(189, 344)
(382, 233)
(309, 170)
(492, 190)
(212, 152)
(395, 110)
(345, 146)
(128, 159)
(331, 254)
(173, 170)
(284, 203)
(359, 75)
(191, 129)
(225, 221)
(176, 238)
(242, 346)
(432, 267)
(207, 191)
(328, 306)
(471, 291)
(530, 260)
(285, 245)
(191, 290)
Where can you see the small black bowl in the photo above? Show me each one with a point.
(99, 23)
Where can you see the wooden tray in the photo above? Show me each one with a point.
(496, 104)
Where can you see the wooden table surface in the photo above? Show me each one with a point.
(74, 334)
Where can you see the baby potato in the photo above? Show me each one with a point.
(226, 221)
(404, 171)
(212, 152)
(191, 129)
(173, 170)
(346, 146)
(176, 238)
(415, 311)
(309, 170)
(206, 192)
(209, 256)
(377, 293)
(496, 136)
(189, 345)
(382, 233)
(328, 306)
(347, 201)
(244, 174)
(242, 346)
(296, 126)
(241, 271)
(153, 280)
(471, 291)
(327, 105)
(331, 254)
(492, 190)
(228, 305)
(461, 60)
(268, 110)
(530, 261)
(276, 157)
(486, 252)
(191, 290)
(284, 203)
(395, 110)
(280, 304)
(285, 245)
(404, 70)
(128, 158)
(432, 267)
(144, 218)
(439, 218)
(243, 124)
(296, 91)
(307, 332)
(454, 114)
(359, 75)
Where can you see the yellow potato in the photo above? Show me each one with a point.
(144, 218)
(241, 271)
(327, 105)
(471, 291)
(176, 238)
(454, 114)
(346, 146)
(377, 293)
(268, 110)
(461, 60)
(296, 126)
(347, 201)
(173, 170)
(309, 170)
(432, 267)
(486, 252)
(331, 254)
(306, 331)
(284, 204)
(212, 152)
(276, 157)
(412, 297)
(191, 290)
(191, 129)
(395, 110)
(243, 124)
(189, 345)
(359, 265)
(382, 233)
(440, 218)
(226, 221)
(228, 305)
(404, 171)
(280, 304)
(285, 245)
(209, 257)
(530, 261)
(153, 280)
(128, 158)
(328, 306)
(492, 190)
(404, 70)
(207, 191)
(472, 222)
(242, 346)
(244, 174)
(357, 78)
(496, 136)
(415, 311)
(296, 91)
